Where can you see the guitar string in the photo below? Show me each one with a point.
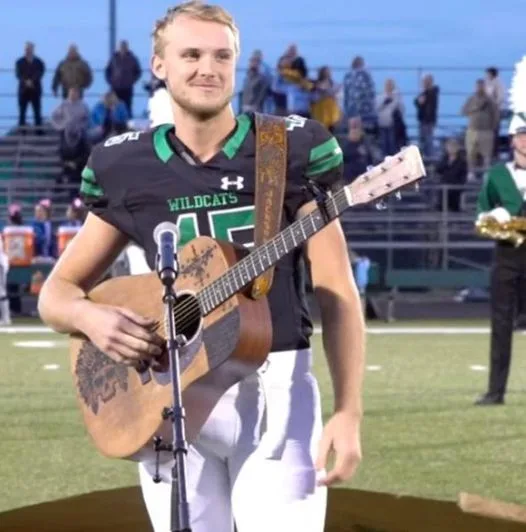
(190, 311)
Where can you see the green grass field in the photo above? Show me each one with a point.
(421, 434)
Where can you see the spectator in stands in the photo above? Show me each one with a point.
(42, 225)
(14, 212)
(75, 213)
(483, 116)
(293, 60)
(452, 170)
(427, 109)
(297, 86)
(255, 87)
(390, 109)
(74, 157)
(108, 117)
(358, 151)
(29, 71)
(359, 95)
(279, 88)
(497, 92)
(73, 71)
(71, 118)
(151, 86)
(324, 106)
(122, 73)
(14, 217)
(264, 68)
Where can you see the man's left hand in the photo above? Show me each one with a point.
(341, 435)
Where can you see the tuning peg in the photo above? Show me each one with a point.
(398, 195)
(417, 187)
(380, 205)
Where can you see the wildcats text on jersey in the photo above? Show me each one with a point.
(202, 201)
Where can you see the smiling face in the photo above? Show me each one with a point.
(197, 60)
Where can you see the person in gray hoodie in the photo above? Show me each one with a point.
(71, 118)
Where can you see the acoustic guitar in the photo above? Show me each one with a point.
(229, 333)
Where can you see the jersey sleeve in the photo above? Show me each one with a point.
(485, 197)
(314, 156)
(499, 190)
(101, 193)
(325, 163)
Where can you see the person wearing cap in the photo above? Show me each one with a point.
(502, 197)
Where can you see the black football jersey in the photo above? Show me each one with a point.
(138, 179)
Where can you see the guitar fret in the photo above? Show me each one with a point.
(313, 220)
(292, 236)
(237, 280)
(213, 298)
(247, 273)
(303, 231)
(276, 250)
(260, 258)
(253, 265)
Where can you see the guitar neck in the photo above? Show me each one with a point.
(268, 254)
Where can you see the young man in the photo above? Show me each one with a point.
(502, 197)
(261, 455)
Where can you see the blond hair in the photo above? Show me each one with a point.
(195, 9)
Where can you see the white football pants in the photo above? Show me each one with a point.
(253, 460)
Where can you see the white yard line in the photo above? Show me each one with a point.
(31, 329)
(422, 330)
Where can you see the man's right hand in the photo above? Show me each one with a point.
(121, 334)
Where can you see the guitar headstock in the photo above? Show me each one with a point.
(394, 173)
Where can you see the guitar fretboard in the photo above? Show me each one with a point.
(265, 256)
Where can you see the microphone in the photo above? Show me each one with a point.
(166, 236)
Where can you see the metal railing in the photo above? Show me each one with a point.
(416, 232)
(408, 80)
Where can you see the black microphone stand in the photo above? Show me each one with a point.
(180, 510)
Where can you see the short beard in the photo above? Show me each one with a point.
(202, 114)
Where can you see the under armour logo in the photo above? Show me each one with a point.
(226, 184)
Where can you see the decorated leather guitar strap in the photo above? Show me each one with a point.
(271, 176)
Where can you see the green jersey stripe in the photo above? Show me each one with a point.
(233, 144)
(329, 147)
(161, 146)
(91, 189)
(88, 175)
(325, 165)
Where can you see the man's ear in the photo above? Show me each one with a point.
(158, 67)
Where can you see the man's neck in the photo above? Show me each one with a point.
(206, 138)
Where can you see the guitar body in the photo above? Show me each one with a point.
(121, 406)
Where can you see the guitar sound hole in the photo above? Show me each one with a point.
(187, 315)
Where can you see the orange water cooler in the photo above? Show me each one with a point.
(19, 244)
(65, 235)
